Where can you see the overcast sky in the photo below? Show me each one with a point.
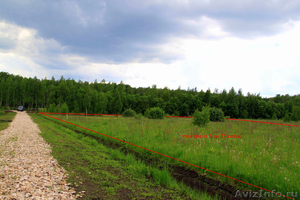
(248, 44)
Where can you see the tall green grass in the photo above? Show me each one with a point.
(86, 150)
(266, 155)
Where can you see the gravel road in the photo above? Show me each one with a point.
(27, 169)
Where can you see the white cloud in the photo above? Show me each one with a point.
(207, 27)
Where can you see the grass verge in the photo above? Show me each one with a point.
(5, 119)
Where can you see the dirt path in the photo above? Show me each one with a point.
(27, 170)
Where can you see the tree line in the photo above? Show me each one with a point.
(112, 98)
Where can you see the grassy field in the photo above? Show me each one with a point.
(106, 173)
(5, 118)
(265, 155)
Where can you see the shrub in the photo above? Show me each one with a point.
(155, 113)
(138, 116)
(129, 113)
(286, 117)
(216, 115)
(201, 118)
(274, 117)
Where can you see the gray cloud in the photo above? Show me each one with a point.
(121, 30)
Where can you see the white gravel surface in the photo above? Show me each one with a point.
(27, 169)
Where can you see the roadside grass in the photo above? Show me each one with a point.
(266, 155)
(5, 118)
(106, 173)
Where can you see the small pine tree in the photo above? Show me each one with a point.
(64, 108)
(201, 119)
(286, 117)
(274, 117)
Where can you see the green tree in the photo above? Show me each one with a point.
(223, 107)
(9, 86)
(280, 110)
(223, 97)
(172, 106)
(288, 106)
(87, 100)
(201, 119)
(286, 117)
(64, 108)
(241, 102)
(52, 108)
(271, 108)
(2, 90)
(244, 114)
(262, 110)
(76, 107)
(232, 96)
(165, 94)
(24, 91)
(143, 104)
(274, 117)
(184, 109)
(215, 101)
(232, 110)
(207, 97)
(80, 99)
(295, 116)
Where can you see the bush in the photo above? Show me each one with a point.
(138, 116)
(201, 118)
(155, 113)
(274, 117)
(129, 113)
(286, 117)
(216, 115)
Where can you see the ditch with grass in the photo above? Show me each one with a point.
(265, 155)
(108, 173)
